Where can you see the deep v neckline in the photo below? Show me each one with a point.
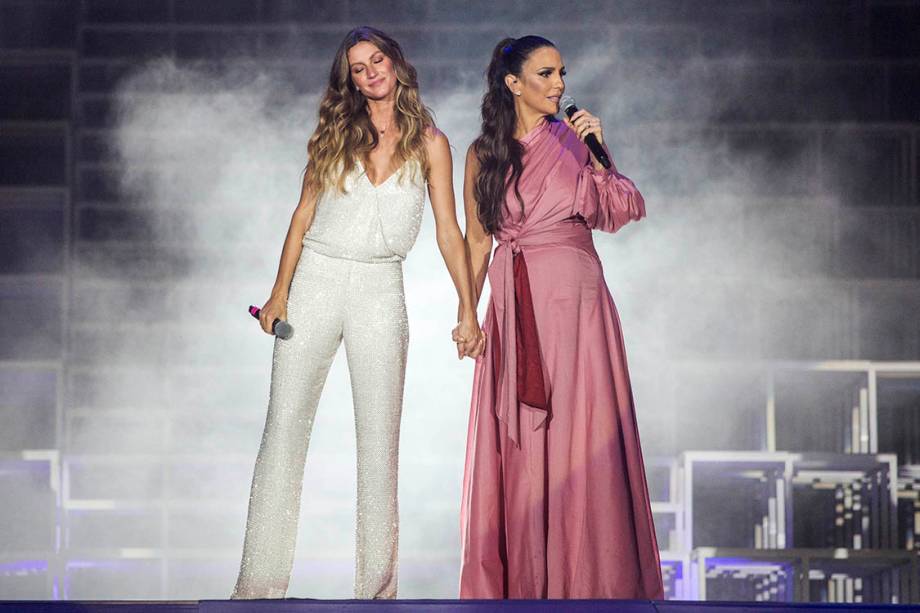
(382, 183)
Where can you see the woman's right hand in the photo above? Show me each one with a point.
(274, 308)
(470, 339)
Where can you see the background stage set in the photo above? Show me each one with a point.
(151, 154)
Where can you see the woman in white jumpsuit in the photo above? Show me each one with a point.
(340, 278)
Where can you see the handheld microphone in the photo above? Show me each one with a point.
(567, 104)
(281, 329)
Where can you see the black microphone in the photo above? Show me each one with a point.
(567, 104)
(281, 329)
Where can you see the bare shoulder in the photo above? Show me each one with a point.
(438, 149)
(436, 140)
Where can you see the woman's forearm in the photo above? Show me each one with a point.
(479, 253)
(453, 250)
(477, 241)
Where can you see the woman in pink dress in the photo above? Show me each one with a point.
(555, 502)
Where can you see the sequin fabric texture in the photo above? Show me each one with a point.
(367, 223)
(348, 286)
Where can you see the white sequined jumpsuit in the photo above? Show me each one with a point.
(347, 285)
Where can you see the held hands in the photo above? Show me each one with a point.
(470, 338)
(274, 308)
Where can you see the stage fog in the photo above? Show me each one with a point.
(738, 262)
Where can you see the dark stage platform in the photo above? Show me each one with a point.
(434, 606)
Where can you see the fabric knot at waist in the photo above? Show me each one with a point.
(521, 377)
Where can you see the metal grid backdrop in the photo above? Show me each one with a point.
(815, 499)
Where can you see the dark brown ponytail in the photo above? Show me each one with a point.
(496, 148)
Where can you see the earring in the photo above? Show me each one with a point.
(517, 93)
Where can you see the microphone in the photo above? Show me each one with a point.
(567, 104)
(281, 329)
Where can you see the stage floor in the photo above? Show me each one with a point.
(433, 606)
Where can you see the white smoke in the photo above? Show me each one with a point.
(216, 158)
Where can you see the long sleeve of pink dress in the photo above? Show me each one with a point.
(555, 502)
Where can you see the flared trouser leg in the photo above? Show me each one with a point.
(299, 369)
(331, 298)
(376, 343)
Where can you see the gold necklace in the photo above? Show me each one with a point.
(383, 131)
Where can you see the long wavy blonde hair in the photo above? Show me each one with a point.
(345, 132)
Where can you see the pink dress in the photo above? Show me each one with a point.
(555, 501)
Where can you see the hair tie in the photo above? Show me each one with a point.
(508, 48)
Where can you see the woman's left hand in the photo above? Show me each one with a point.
(469, 337)
(585, 123)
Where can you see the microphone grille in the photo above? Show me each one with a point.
(284, 330)
(566, 101)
